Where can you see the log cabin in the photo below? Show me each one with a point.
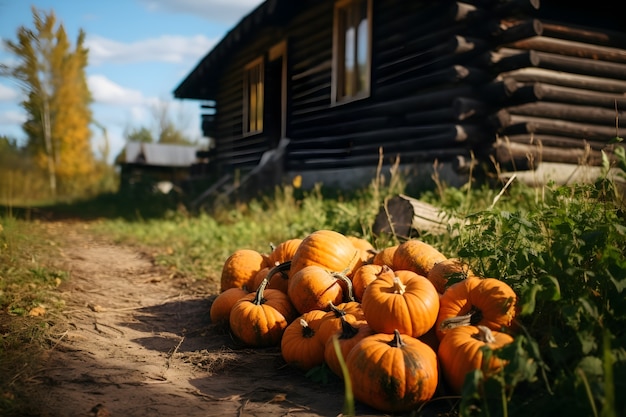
(332, 89)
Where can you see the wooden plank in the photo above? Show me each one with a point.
(586, 34)
(570, 48)
(575, 113)
(547, 92)
(517, 124)
(559, 78)
(557, 141)
(531, 155)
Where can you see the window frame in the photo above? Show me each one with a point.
(339, 78)
(248, 108)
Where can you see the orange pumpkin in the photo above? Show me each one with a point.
(417, 256)
(477, 301)
(223, 304)
(362, 277)
(327, 249)
(351, 332)
(401, 300)
(283, 252)
(240, 268)
(260, 318)
(451, 268)
(460, 352)
(365, 248)
(331, 322)
(300, 345)
(392, 373)
(279, 279)
(385, 256)
(313, 287)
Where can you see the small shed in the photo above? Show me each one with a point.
(341, 86)
(155, 164)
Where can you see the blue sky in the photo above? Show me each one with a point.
(139, 51)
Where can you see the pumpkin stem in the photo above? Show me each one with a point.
(307, 331)
(456, 321)
(485, 334)
(348, 331)
(397, 339)
(349, 296)
(338, 312)
(398, 286)
(258, 298)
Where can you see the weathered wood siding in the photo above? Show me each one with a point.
(501, 79)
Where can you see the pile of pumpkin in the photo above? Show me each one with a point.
(395, 315)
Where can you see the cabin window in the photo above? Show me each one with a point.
(352, 50)
(253, 97)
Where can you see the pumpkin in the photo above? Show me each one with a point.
(223, 304)
(260, 318)
(240, 268)
(477, 301)
(417, 256)
(362, 277)
(401, 300)
(365, 248)
(277, 276)
(392, 373)
(385, 256)
(313, 287)
(460, 352)
(451, 268)
(331, 322)
(300, 345)
(283, 252)
(327, 249)
(351, 332)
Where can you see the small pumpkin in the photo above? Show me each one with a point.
(260, 318)
(240, 268)
(277, 276)
(401, 300)
(392, 373)
(332, 320)
(313, 287)
(362, 277)
(477, 301)
(223, 304)
(327, 249)
(283, 252)
(417, 256)
(451, 268)
(365, 248)
(351, 332)
(300, 345)
(385, 256)
(460, 352)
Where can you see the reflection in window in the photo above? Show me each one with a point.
(352, 49)
(253, 97)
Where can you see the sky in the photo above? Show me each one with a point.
(139, 52)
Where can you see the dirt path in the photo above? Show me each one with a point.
(140, 343)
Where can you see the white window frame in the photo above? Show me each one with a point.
(339, 77)
(253, 114)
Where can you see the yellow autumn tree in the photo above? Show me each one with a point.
(52, 76)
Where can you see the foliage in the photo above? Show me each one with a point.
(57, 99)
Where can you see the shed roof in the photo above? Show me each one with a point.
(202, 81)
(158, 154)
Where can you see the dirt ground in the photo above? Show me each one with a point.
(138, 342)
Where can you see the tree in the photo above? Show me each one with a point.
(57, 99)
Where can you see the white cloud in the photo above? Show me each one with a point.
(223, 11)
(8, 93)
(165, 48)
(12, 117)
(106, 91)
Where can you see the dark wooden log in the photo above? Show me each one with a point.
(405, 217)
(594, 35)
(570, 48)
(518, 124)
(518, 152)
(558, 141)
(574, 113)
(583, 82)
(546, 92)
(507, 59)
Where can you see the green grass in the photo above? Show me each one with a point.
(560, 247)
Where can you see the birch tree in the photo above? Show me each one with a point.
(56, 98)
